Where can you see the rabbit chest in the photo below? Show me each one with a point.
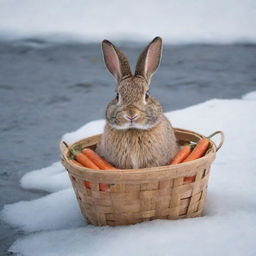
(135, 148)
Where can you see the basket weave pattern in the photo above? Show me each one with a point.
(134, 196)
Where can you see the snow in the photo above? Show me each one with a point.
(87, 130)
(55, 211)
(226, 236)
(53, 224)
(50, 179)
(250, 96)
(176, 21)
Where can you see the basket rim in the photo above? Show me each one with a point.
(209, 156)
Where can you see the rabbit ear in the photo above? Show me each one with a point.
(149, 59)
(115, 61)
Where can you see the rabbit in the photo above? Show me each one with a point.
(136, 133)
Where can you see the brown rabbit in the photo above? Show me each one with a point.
(136, 134)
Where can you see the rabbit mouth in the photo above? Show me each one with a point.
(132, 120)
(131, 125)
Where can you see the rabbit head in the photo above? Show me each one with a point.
(133, 107)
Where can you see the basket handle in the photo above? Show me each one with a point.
(63, 146)
(221, 139)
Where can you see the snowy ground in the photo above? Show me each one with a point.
(203, 21)
(54, 225)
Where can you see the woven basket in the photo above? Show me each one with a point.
(137, 195)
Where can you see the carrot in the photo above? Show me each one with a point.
(83, 159)
(199, 150)
(100, 162)
(76, 163)
(87, 184)
(189, 179)
(96, 159)
(103, 187)
(182, 154)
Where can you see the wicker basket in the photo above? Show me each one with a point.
(138, 195)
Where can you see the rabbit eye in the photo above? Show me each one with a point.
(117, 96)
(147, 95)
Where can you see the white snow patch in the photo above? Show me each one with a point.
(176, 21)
(227, 228)
(55, 211)
(250, 96)
(220, 235)
(86, 130)
(50, 179)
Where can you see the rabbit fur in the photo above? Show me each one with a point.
(136, 133)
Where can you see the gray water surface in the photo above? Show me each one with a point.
(48, 90)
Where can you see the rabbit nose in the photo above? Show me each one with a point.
(131, 118)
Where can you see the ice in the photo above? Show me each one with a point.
(55, 226)
(176, 21)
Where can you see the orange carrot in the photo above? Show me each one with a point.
(83, 159)
(103, 187)
(182, 154)
(100, 162)
(76, 163)
(189, 179)
(96, 159)
(199, 150)
(87, 161)
(87, 184)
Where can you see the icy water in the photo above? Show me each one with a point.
(48, 90)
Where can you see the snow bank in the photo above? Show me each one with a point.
(50, 179)
(250, 96)
(88, 129)
(227, 228)
(177, 21)
(222, 235)
(55, 211)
